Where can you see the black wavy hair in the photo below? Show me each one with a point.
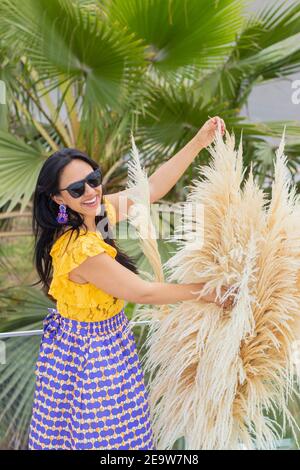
(44, 225)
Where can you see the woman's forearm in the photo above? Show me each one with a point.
(167, 175)
(159, 293)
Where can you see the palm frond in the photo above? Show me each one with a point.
(25, 309)
(20, 164)
(65, 41)
(176, 33)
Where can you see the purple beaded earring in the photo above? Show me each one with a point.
(62, 217)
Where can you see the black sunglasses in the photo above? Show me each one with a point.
(76, 189)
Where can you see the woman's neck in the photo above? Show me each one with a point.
(90, 226)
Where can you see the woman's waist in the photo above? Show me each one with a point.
(71, 324)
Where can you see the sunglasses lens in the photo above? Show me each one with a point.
(76, 189)
(95, 179)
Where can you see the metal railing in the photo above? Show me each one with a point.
(10, 334)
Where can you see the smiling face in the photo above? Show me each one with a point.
(73, 172)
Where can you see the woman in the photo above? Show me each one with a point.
(90, 391)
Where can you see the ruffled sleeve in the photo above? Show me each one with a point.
(78, 250)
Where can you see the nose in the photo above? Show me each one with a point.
(89, 191)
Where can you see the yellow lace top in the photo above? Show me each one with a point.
(82, 302)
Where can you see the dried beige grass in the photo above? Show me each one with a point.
(215, 374)
(139, 216)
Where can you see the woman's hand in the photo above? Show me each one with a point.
(212, 297)
(206, 134)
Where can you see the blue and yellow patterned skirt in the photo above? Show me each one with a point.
(90, 391)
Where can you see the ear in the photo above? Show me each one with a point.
(57, 199)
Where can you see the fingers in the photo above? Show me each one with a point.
(229, 302)
(217, 120)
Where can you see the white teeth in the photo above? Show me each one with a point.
(91, 201)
